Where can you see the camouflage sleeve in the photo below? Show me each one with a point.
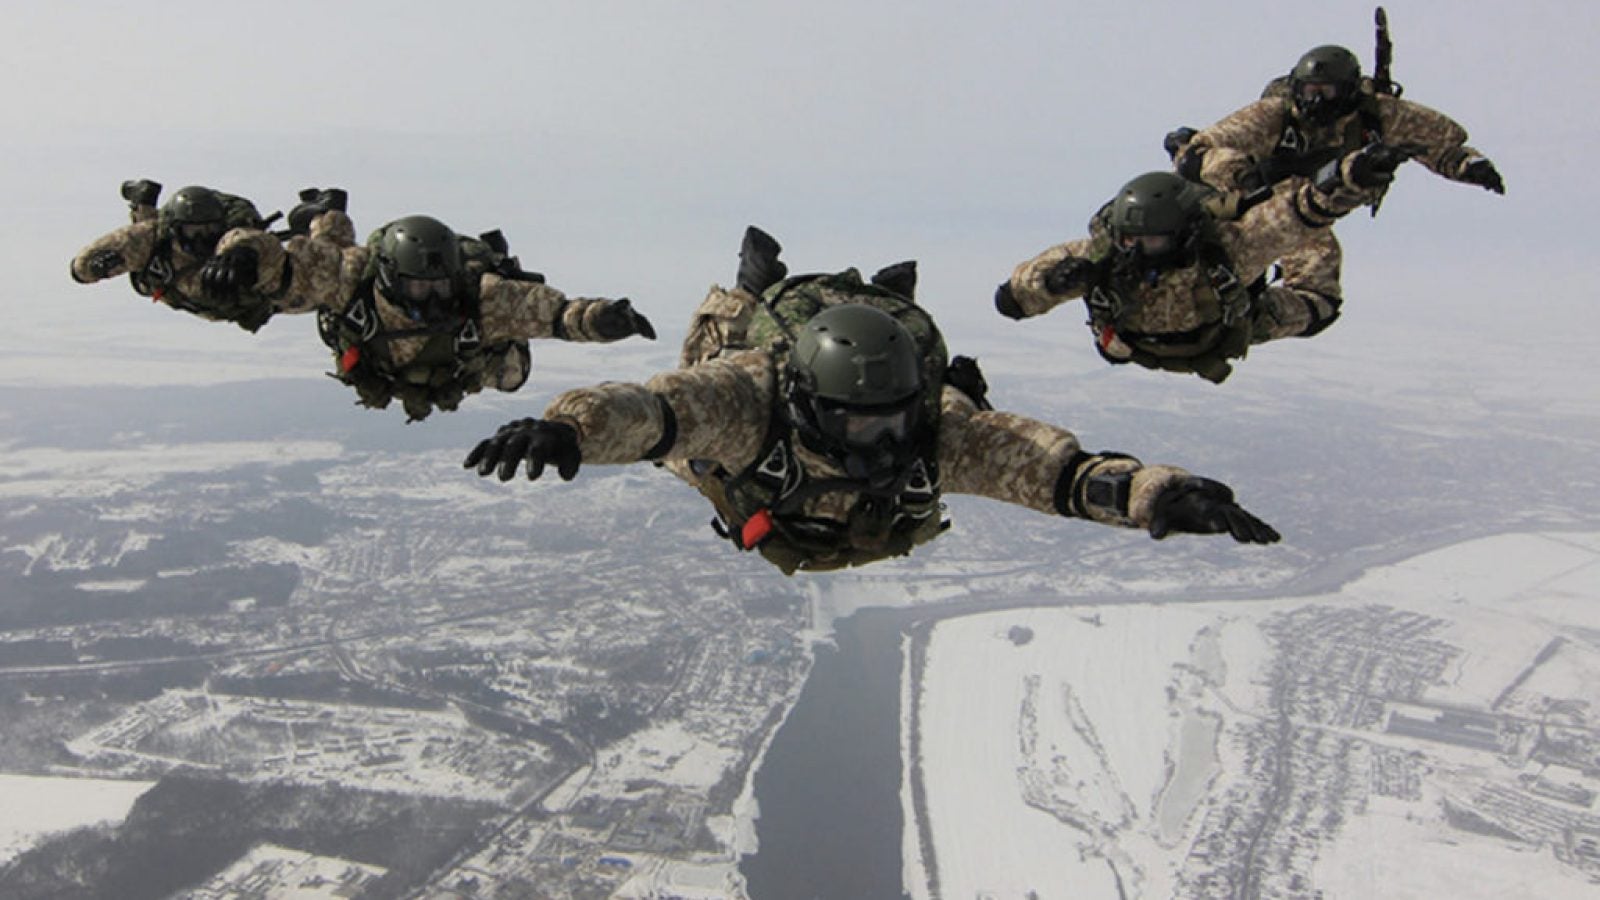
(270, 255)
(718, 411)
(1225, 168)
(1445, 141)
(134, 243)
(1235, 142)
(517, 310)
(1015, 459)
(305, 273)
(1027, 280)
(527, 309)
(334, 227)
(1293, 216)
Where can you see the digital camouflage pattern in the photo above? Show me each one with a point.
(725, 399)
(135, 243)
(1182, 316)
(721, 322)
(1230, 149)
(326, 269)
(162, 270)
(1308, 293)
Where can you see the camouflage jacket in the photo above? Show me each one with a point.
(162, 271)
(1232, 147)
(1169, 316)
(326, 269)
(721, 412)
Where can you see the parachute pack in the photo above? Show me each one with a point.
(760, 507)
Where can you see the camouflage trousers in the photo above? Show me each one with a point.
(719, 324)
(1307, 297)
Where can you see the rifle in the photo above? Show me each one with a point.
(1384, 56)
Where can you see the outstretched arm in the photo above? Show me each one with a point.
(1443, 142)
(1046, 281)
(717, 411)
(527, 309)
(1018, 460)
(1225, 152)
(319, 270)
(124, 250)
(1300, 208)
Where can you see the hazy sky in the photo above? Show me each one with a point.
(623, 146)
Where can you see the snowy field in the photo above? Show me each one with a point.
(1071, 751)
(33, 807)
(270, 872)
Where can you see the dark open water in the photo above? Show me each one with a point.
(829, 788)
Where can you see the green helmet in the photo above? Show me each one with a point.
(1155, 218)
(1325, 83)
(855, 386)
(419, 267)
(196, 218)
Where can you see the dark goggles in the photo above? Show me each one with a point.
(198, 234)
(421, 290)
(1148, 244)
(1315, 90)
(868, 426)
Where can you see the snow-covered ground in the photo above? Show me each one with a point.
(1074, 750)
(270, 872)
(33, 807)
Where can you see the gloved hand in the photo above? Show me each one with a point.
(314, 202)
(1373, 165)
(1481, 172)
(102, 263)
(228, 274)
(1203, 506)
(534, 440)
(1006, 302)
(1067, 275)
(759, 266)
(1176, 140)
(618, 319)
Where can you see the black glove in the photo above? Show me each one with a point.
(229, 274)
(102, 263)
(1203, 506)
(1373, 165)
(535, 440)
(618, 319)
(1176, 140)
(759, 266)
(141, 192)
(1481, 172)
(1006, 302)
(1069, 274)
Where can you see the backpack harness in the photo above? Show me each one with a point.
(1204, 351)
(159, 277)
(453, 361)
(760, 507)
